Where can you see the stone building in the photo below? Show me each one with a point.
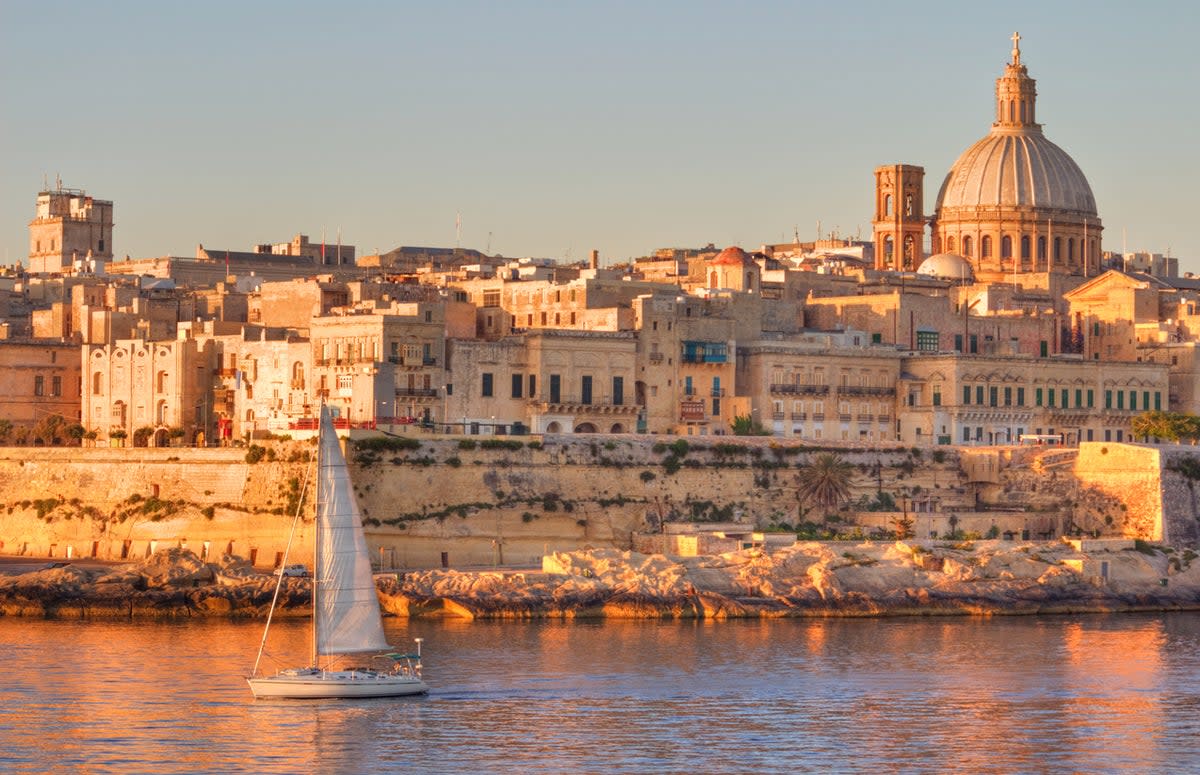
(821, 386)
(547, 381)
(148, 392)
(386, 360)
(978, 399)
(38, 378)
(70, 226)
(260, 384)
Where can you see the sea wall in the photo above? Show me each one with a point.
(510, 502)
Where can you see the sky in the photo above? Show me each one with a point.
(552, 129)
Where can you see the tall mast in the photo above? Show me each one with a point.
(319, 501)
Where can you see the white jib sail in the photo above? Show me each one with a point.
(347, 615)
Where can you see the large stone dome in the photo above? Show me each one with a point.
(1017, 168)
(1014, 201)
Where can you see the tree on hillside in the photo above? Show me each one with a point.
(745, 425)
(1167, 426)
(825, 482)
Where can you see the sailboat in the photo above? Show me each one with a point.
(346, 619)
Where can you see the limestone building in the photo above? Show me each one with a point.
(69, 226)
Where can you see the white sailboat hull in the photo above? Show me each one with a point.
(335, 684)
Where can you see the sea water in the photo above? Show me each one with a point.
(1115, 693)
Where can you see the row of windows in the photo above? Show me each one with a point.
(39, 386)
(517, 388)
(981, 395)
(930, 341)
(53, 244)
(1006, 247)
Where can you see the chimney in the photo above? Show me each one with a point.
(595, 262)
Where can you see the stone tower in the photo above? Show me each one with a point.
(899, 222)
(70, 226)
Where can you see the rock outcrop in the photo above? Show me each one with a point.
(169, 584)
(815, 579)
(809, 579)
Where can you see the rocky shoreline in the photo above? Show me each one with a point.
(810, 579)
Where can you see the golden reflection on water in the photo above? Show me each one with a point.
(953, 694)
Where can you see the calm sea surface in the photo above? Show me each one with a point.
(1058, 694)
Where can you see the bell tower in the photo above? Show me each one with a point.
(899, 223)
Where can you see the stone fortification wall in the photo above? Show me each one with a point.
(1155, 486)
(1131, 475)
(511, 501)
(503, 502)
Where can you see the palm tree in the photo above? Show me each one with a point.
(825, 482)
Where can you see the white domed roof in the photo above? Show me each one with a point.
(947, 266)
(1018, 168)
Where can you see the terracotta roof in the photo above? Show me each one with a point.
(731, 256)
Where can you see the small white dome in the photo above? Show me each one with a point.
(947, 266)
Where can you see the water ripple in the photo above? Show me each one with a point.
(1083, 694)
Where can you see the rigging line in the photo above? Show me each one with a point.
(279, 581)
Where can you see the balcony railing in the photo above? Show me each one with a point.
(655, 357)
(818, 417)
(866, 418)
(866, 390)
(406, 392)
(798, 389)
(777, 415)
(844, 417)
(801, 416)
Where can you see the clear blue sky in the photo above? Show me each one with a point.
(561, 127)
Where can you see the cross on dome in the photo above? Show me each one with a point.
(1016, 52)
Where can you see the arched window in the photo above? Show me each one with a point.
(1041, 254)
(887, 205)
(749, 281)
(160, 385)
(1006, 246)
(1012, 111)
(712, 279)
(967, 246)
(1058, 250)
(910, 252)
(889, 249)
(950, 244)
(1071, 250)
(908, 204)
(985, 246)
(1025, 246)
(98, 384)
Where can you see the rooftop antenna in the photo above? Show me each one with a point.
(488, 251)
(45, 182)
(796, 231)
(457, 230)
(818, 229)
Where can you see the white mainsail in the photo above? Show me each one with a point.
(347, 609)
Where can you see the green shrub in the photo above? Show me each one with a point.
(386, 444)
